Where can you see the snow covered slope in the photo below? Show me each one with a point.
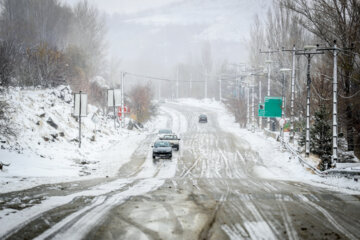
(46, 147)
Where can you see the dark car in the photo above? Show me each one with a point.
(162, 149)
(202, 118)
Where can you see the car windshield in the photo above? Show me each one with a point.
(165, 131)
(203, 116)
(170, 137)
(162, 144)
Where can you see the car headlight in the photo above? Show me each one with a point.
(156, 150)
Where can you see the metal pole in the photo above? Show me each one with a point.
(260, 118)
(268, 90)
(122, 101)
(335, 130)
(248, 108)
(292, 132)
(283, 96)
(114, 108)
(252, 108)
(307, 145)
(80, 119)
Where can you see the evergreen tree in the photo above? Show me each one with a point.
(321, 136)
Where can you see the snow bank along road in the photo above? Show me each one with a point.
(209, 190)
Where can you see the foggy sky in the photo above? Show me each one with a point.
(151, 36)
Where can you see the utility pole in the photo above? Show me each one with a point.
(335, 49)
(292, 113)
(269, 76)
(248, 108)
(80, 119)
(334, 157)
(307, 53)
(252, 108)
(260, 118)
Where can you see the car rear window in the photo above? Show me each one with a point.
(162, 144)
(165, 131)
(169, 137)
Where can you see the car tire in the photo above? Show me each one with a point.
(154, 157)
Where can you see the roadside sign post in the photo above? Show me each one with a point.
(261, 110)
(80, 109)
(122, 111)
(114, 100)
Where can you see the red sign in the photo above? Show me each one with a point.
(126, 110)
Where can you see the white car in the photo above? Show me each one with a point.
(163, 132)
(173, 140)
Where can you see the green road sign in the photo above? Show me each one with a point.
(261, 110)
(273, 106)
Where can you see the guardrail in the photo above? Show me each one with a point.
(301, 159)
(353, 173)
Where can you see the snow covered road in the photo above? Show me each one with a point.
(223, 184)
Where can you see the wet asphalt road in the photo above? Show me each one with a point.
(207, 191)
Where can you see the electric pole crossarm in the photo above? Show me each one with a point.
(307, 53)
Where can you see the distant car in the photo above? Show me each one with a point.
(162, 149)
(162, 101)
(163, 132)
(173, 140)
(202, 118)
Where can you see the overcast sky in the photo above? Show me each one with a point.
(154, 35)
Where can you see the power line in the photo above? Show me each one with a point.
(349, 96)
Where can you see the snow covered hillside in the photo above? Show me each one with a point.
(46, 147)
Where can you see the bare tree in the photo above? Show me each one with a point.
(336, 20)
